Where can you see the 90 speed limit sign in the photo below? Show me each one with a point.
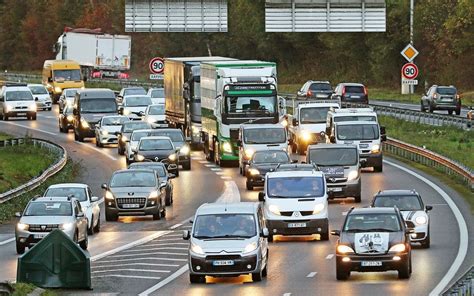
(409, 71)
(157, 65)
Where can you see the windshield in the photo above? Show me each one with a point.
(158, 93)
(159, 169)
(252, 105)
(133, 179)
(446, 90)
(197, 92)
(130, 126)
(358, 132)
(18, 95)
(295, 187)
(138, 101)
(320, 87)
(136, 136)
(355, 118)
(403, 203)
(76, 192)
(70, 92)
(67, 75)
(333, 156)
(264, 136)
(372, 222)
(49, 208)
(271, 157)
(157, 110)
(150, 145)
(38, 90)
(134, 91)
(117, 120)
(354, 89)
(98, 106)
(175, 136)
(314, 115)
(225, 225)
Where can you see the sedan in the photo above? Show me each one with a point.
(66, 120)
(351, 92)
(41, 95)
(155, 115)
(107, 129)
(124, 135)
(159, 149)
(67, 98)
(262, 162)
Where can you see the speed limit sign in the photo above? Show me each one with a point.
(157, 65)
(409, 71)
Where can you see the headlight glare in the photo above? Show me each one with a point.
(274, 209)
(154, 194)
(150, 120)
(306, 136)
(126, 112)
(421, 220)
(140, 157)
(254, 172)
(67, 226)
(318, 208)
(397, 248)
(197, 249)
(249, 153)
(250, 247)
(124, 138)
(32, 107)
(185, 149)
(104, 132)
(227, 147)
(343, 249)
(70, 118)
(109, 195)
(84, 123)
(58, 89)
(22, 226)
(172, 157)
(353, 175)
(375, 148)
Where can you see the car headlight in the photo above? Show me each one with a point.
(126, 112)
(284, 122)
(32, 107)
(375, 148)
(140, 157)
(250, 247)
(196, 249)
(162, 184)
(185, 149)
(58, 89)
(22, 226)
(227, 147)
(397, 248)
(318, 208)
(306, 136)
(343, 249)
(8, 108)
(109, 195)
(274, 209)
(172, 157)
(124, 138)
(254, 172)
(249, 153)
(154, 194)
(84, 123)
(70, 118)
(104, 132)
(133, 146)
(67, 226)
(420, 220)
(353, 175)
(150, 120)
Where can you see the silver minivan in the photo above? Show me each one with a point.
(227, 239)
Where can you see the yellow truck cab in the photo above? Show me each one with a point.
(61, 74)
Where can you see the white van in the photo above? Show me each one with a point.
(295, 203)
(348, 114)
(16, 100)
(256, 137)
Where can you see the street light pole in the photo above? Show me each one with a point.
(411, 89)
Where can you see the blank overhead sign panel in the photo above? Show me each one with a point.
(325, 15)
(176, 16)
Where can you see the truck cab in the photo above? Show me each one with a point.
(61, 74)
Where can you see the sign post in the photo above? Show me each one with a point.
(409, 53)
(157, 67)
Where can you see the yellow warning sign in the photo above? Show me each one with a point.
(409, 52)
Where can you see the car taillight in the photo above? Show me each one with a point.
(344, 91)
(309, 93)
(96, 74)
(365, 90)
(123, 76)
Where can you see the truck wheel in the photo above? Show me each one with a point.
(425, 244)
(5, 117)
(216, 153)
(431, 108)
(20, 248)
(342, 273)
(324, 236)
(110, 216)
(450, 112)
(378, 168)
(197, 279)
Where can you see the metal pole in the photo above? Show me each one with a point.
(412, 4)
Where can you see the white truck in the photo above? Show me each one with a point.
(307, 122)
(98, 54)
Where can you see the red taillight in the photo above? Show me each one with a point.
(309, 93)
(96, 74)
(365, 90)
(123, 76)
(344, 91)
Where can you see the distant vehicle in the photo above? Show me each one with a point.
(134, 192)
(67, 98)
(83, 194)
(134, 106)
(16, 100)
(66, 119)
(157, 95)
(180, 143)
(58, 75)
(155, 116)
(315, 89)
(262, 162)
(295, 203)
(351, 93)
(130, 91)
(123, 137)
(441, 98)
(90, 105)
(45, 214)
(163, 176)
(414, 211)
(159, 149)
(373, 239)
(227, 239)
(41, 95)
(296, 167)
(107, 128)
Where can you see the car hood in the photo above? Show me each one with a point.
(321, 93)
(46, 219)
(223, 246)
(178, 145)
(93, 117)
(111, 128)
(132, 191)
(161, 154)
(136, 109)
(42, 98)
(412, 215)
(156, 117)
(381, 241)
(264, 168)
(260, 147)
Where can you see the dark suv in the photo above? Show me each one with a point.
(441, 98)
(315, 90)
(351, 92)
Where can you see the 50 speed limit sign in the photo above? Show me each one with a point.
(409, 71)
(157, 65)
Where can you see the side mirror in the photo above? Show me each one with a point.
(239, 143)
(265, 232)
(94, 199)
(104, 186)
(332, 139)
(186, 235)
(290, 141)
(191, 221)
(18, 214)
(171, 176)
(428, 208)
(336, 232)
(294, 122)
(383, 130)
(50, 79)
(120, 110)
(363, 163)
(80, 215)
(261, 196)
(383, 138)
(36, 99)
(409, 230)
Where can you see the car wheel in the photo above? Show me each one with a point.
(176, 173)
(84, 243)
(241, 171)
(33, 117)
(1, 117)
(49, 109)
(270, 238)
(163, 212)
(197, 279)
(450, 112)
(257, 276)
(187, 166)
(422, 108)
(157, 215)
(97, 227)
(20, 248)
(90, 230)
(324, 236)
(110, 216)
(404, 271)
(121, 151)
(431, 108)
(293, 148)
(342, 273)
(357, 198)
(5, 117)
(458, 111)
(426, 243)
(168, 199)
(378, 168)
(249, 185)
(76, 138)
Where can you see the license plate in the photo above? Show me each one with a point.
(40, 235)
(296, 225)
(335, 189)
(21, 113)
(223, 262)
(371, 263)
(131, 206)
(355, 97)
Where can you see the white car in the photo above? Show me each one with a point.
(41, 95)
(107, 129)
(157, 95)
(16, 100)
(155, 116)
(134, 106)
(67, 98)
(83, 193)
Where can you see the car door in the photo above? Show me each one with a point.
(263, 241)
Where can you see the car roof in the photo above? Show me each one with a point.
(68, 185)
(318, 81)
(142, 130)
(397, 192)
(296, 166)
(168, 129)
(134, 96)
(114, 116)
(332, 146)
(35, 84)
(96, 93)
(356, 122)
(284, 174)
(52, 198)
(375, 210)
(345, 111)
(9, 88)
(146, 164)
(127, 171)
(352, 84)
(227, 208)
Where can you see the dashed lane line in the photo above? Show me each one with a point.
(141, 258)
(330, 256)
(203, 161)
(226, 178)
(128, 276)
(154, 253)
(154, 249)
(96, 149)
(164, 244)
(216, 169)
(7, 241)
(210, 165)
(176, 226)
(30, 128)
(134, 264)
(132, 269)
(311, 274)
(165, 281)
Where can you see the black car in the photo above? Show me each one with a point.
(441, 98)
(284, 167)
(66, 120)
(163, 176)
(126, 131)
(263, 162)
(158, 149)
(315, 90)
(177, 137)
(373, 239)
(351, 92)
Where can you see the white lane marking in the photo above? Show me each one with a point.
(166, 240)
(442, 204)
(226, 178)
(141, 258)
(130, 245)
(134, 264)
(330, 256)
(132, 269)
(203, 161)
(231, 193)
(311, 274)
(159, 253)
(171, 278)
(165, 244)
(30, 128)
(220, 173)
(287, 294)
(7, 241)
(463, 233)
(96, 149)
(128, 276)
(344, 213)
(196, 158)
(164, 248)
(216, 169)
(210, 165)
(176, 226)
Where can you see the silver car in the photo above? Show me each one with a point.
(107, 129)
(45, 214)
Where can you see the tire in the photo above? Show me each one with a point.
(422, 108)
(121, 151)
(293, 148)
(249, 185)
(76, 138)
(197, 279)
(1, 117)
(176, 173)
(404, 271)
(84, 243)
(163, 213)
(270, 238)
(458, 111)
(357, 198)
(5, 117)
(20, 248)
(450, 112)
(257, 276)
(241, 170)
(216, 153)
(97, 227)
(378, 168)
(324, 236)
(49, 109)
(426, 243)
(157, 215)
(90, 230)
(110, 216)
(431, 108)
(33, 117)
(61, 129)
(187, 166)
(342, 274)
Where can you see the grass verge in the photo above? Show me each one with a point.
(21, 289)
(4, 136)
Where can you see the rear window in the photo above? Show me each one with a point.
(134, 91)
(133, 179)
(76, 192)
(320, 86)
(131, 126)
(38, 90)
(446, 90)
(354, 89)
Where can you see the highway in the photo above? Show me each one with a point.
(415, 107)
(138, 255)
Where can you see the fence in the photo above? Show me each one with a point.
(464, 286)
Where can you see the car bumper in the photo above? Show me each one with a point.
(375, 262)
(312, 226)
(256, 180)
(446, 105)
(421, 232)
(110, 139)
(151, 208)
(241, 265)
(346, 189)
(31, 238)
(86, 132)
(18, 113)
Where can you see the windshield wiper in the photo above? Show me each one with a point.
(381, 229)
(229, 236)
(356, 230)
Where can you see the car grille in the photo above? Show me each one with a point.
(303, 213)
(335, 181)
(131, 200)
(240, 263)
(20, 107)
(43, 227)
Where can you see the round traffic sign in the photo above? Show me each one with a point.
(157, 65)
(410, 71)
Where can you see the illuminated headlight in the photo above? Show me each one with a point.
(227, 147)
(68, 103)
(22, 226)
(150, 120)
(70, 118)
(250, 247)
(104, 132)
(421, 220)
(353, 175)
(185, 149)
(32, 107)
(172, 157)
(254, 172)
(274, 209)
(109, 195)
(126, 112)
(249, 153)
(140, 157)
(375, 148)
(58, 89)
(197, 249)
(397, 248)
(284, 122)
(306, 136)
(8, 108)
(342, 249)
(84, 123)
(154, 194)
(318, 208)
(67, 226)
(124, 138)
(195, 129)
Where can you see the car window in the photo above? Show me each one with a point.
(136, 136)
(295, 187)
(158, 93)
(134, 91)
(446, 90)
(320, 87)
(130, 126)
(116, 120)
(159, 169)
(138, 101)
(354, 89)
(49, 208)
(38, 90)
(175, 136)
(271, 157)
(18, 95)
(357, 132)
(225, 225)
(133, 179)
(333, 156)
(150, 145)
(76, 192)
(403, 202)
(157, 109)
(372, 222)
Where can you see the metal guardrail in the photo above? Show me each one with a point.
(463, 287)
(58, 150)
